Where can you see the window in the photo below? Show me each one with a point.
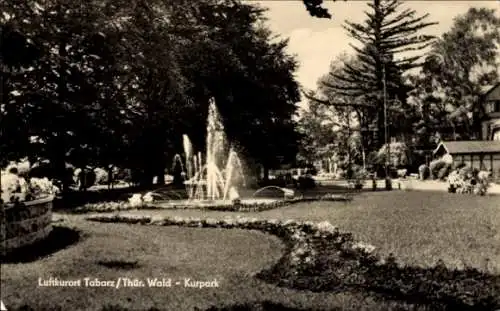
(496, 107)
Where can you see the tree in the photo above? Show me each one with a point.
(387, 32)
(50, 94)
(251, 80)
(461, 63)
(315, 9)
(118, 83)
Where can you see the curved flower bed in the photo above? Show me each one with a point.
(105, 207)
(319, 257)
(25, 223)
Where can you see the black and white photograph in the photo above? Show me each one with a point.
(250, 155)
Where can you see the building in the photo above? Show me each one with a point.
(481, 154)
(490, 122)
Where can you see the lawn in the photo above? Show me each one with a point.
(109, 251)
(417, 227)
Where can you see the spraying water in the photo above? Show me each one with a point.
(188, 152)
(205, 180)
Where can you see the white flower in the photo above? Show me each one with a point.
(178, 220)
(148, 197)
(241, 220)
(211, 221)
(273, 221)
(289, 222)
(135, 200)
(368, 248)
(298, 251)
(194, 219)
(326, 227)
(157, 219)
(309, 223)
(297, 236)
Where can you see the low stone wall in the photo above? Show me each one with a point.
(24, 223)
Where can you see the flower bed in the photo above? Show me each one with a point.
(468, 181)
(105, 207)
(25, 223)
(319, 257)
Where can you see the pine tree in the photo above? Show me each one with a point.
(387, 31)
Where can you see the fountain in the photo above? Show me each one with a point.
(206, 181)
(206, 184)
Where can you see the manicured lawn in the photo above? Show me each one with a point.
(109, 251)
(143, 252)
(418, 227)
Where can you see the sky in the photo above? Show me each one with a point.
(316, 42)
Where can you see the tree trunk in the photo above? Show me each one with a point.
(110, 177)
(266, 173)
(161, 174)
(381, 129)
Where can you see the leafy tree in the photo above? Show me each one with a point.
(461, 63)
(116, 83)
(251, 80)
(53, 90)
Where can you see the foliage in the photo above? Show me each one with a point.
(306, 182)
(387, 31)
(112, 84)
(444, 171)
(315, 9)
(435, 167)
(331, 131)
(466, 180)
(459, 66)
(400, 155)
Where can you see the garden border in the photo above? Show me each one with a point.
(106, 207)
(310, 245)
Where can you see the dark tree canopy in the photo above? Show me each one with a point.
(117, 83)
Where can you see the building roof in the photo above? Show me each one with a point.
(489, 89)
(468, 147)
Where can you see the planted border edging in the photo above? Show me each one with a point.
(25, 223)
(320, 258)
(106, 207)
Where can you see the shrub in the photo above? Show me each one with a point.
(444, 171)
(423, 172)
(101, 176)
(402, 173)
(400, 154)
(435, 166)
(306, 182)
(340, 174)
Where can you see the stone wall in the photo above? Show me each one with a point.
(25, 223)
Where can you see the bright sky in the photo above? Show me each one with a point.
(316, 42)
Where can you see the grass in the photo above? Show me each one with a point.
(109, 251)
(417, 227)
